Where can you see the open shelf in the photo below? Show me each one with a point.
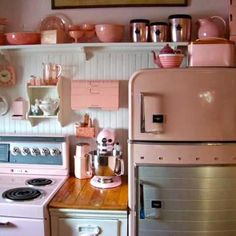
(88, 48)
(43, 92)
(81, 46)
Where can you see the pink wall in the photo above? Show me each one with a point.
(27, 14)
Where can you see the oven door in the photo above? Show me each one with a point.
(10, 226)
(186, 200)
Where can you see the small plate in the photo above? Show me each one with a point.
(3, 106)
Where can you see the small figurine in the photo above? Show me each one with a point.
(105, 141)
(35, 108)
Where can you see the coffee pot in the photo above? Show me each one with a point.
(209, 28)
(51, 73)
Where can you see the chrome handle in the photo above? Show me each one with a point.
(158, 117)
(119, 168)
(156, 204)
(89, 230)
(141, 200)
(142, 118)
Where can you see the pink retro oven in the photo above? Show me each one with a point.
(32, 169)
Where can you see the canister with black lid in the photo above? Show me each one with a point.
(159, 32)
(180, 27)
(139, 29)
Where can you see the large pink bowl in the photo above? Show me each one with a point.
(109, 32)
(171, 60)
(19, 38)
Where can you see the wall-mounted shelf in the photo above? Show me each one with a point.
(43, 92)
(88, 48)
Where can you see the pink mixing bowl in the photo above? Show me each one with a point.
(19, 38)
(110, 32)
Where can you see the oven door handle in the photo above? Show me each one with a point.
(89, 230)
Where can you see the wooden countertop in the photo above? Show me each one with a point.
(80, 194)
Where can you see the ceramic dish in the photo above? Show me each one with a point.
(55, 21)
(3, 106)
(21, 38)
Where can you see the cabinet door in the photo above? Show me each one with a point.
(77, 227)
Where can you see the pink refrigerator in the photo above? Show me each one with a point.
(182, 152)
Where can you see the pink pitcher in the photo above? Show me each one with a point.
(208, 28)
(51, 72)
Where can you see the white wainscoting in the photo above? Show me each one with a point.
(101, 65)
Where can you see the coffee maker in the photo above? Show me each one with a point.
(106, 162)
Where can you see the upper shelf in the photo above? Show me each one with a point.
(87, 49)
(83, 46)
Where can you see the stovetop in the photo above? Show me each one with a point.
(27, 208)
(24, 158)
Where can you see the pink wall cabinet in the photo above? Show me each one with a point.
(102, 94)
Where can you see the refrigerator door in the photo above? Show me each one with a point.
(194, 104)
(186, 201)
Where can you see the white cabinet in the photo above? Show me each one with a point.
(37, 94)
(71, 222)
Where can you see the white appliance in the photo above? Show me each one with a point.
(182, 152)
(32, 169)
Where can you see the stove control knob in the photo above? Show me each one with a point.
(35, 151)
(44, 152)
(55, 152)
(25, 151)
(15, 151)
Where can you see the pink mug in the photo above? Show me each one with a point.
(51, 72)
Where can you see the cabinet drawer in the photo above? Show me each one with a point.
(94, 90)
(77, 227)
(95, 101)
(94, 83)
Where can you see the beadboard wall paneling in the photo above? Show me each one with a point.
(107, 65)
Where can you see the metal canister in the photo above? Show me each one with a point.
(180, 27)
(139, 29)
(159, 32)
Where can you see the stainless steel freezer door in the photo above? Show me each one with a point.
(186, 200)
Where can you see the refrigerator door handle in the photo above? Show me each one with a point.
(141, 200)
(153, 211)
(151, 116)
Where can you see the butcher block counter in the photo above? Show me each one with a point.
(79, 208)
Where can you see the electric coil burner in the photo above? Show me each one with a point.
(39, 182)
(21, 194)
(29, 178)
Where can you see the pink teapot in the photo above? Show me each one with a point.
(209, 28)
(168, 57)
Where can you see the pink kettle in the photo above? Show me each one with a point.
(209, 28)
